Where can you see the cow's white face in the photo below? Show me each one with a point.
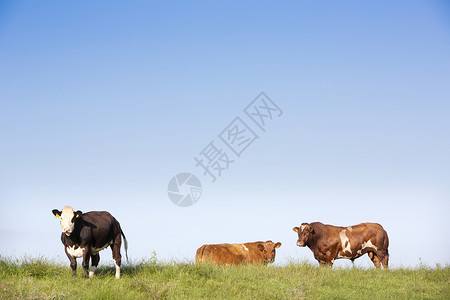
(67, 217)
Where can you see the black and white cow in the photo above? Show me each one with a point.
(85, 235)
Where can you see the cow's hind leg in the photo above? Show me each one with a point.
(86, 258)
(384, 258)
(95, 259)
(375, 259)
(385, 262)
(116, 254)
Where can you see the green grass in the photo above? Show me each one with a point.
(42, 279)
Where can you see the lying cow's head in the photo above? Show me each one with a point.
(268, 249)
(67, 219)
(305, 231)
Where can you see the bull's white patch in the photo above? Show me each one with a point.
(97, 250)
(92, 271)
(368, 244)
(67, 215)
(302, 227)
(365, 245)
(78, 252)
(117, 270)
(245, 248)
(350, 228)
(345, 242)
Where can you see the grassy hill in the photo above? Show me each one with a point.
(42, 279)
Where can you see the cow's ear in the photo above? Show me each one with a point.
(56, 212)
(278, 245)
(261, 247)
(78, 214)
(311, 230)
(295, 229)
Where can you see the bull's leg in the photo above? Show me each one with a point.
(116, 254)
(86, 258)
(375, 259)
(384, 258)
(95, 259)
(325, 264)
(385, 261)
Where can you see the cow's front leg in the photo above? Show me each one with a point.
(325, 264)
(325, 259)
(73, 263)
(86, 258)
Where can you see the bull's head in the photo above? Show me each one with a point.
(268, 249)
(67, 217)
(305, 232)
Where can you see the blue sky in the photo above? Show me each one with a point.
(101, 104)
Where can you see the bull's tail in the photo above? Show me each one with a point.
(125, 244)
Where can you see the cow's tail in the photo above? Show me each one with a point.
(125, 244)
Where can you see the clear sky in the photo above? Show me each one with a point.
(101, 104)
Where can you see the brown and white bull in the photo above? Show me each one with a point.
(234, 254)
(85, 235)
(329, 242)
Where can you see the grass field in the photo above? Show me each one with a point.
(151, 279)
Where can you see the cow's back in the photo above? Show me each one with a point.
(368, 231)
(101, 226)
(221, 254)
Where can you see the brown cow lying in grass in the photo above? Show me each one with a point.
(234, 254)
